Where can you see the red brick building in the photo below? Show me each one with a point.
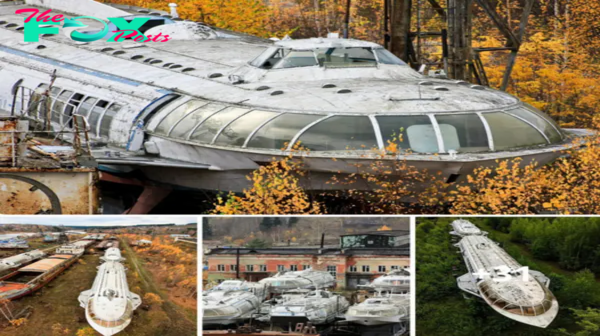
(358, 260)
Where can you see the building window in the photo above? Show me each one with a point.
(293, 267)
(263, 268)
(233, 268)
(305, 267)
(352, 269)
(280, 268)
(221, 268)
(366, 268)
(395, 268)
(249, 268)
(333, 271)
(381, 268)
(406, 266)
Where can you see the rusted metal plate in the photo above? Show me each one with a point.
(58, 191)
(42, 265)
(7, 141)
(62, 256)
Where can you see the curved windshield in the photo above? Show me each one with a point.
(334, 57)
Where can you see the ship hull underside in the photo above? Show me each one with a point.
(322, 170)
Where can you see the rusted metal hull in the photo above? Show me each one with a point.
(40, 190)
(13, 291)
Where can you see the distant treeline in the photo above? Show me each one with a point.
(443, 309)
(572, 242)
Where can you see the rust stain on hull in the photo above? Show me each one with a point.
(37, 190)
(7, 140)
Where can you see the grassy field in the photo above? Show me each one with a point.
(57, 306)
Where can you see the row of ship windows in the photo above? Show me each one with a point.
(282, 268)
(526, 310)
(212, 123)
(65, 103)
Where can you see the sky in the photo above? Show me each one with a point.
(97, 220)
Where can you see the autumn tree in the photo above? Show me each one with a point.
(152, 299)
(275, 189)
(86, 331)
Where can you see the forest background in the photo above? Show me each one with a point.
(565, 249)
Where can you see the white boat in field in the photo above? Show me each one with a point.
(109, 305)
(19, 260)
(391, 308)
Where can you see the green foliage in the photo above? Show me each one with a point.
(588, 320)
(258, 243)
(554, 246)
(581, 292)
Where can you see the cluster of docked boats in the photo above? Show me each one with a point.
(293, 297)
(109, 304)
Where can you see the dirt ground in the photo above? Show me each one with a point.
(56, 304)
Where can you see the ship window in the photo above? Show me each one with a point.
(340, 133)
(73, 103)
(346, 57)
(37, 101)
(236, 133)
(108, 118)
(181, 111)
(156, 106)
(86, 106)
(463, 133)
(268, 58)
(545, 117)
(413, 133)
(509, 132)
(539, 122)
(189, 122)
(59, 105)
(277, 133)
(211, 126)
(296, 59)
(386, 57)
(97, 111)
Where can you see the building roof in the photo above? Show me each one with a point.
(401, 251)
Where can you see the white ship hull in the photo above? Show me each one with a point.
(373, 320)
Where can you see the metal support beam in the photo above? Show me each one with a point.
(513, 54)
(487, 6)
